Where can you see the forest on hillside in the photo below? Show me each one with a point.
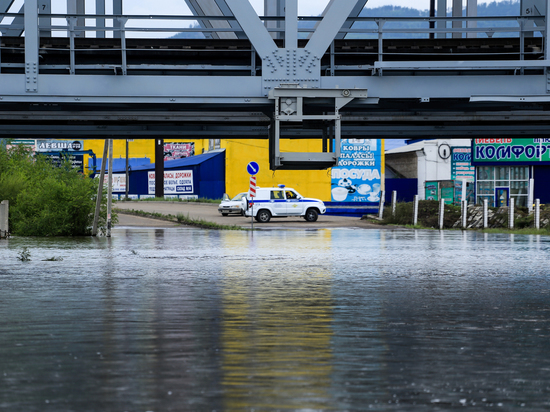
(503, 8)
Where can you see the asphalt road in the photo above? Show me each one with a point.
(209, 212)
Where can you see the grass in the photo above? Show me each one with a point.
(24, 255)
(182, 219)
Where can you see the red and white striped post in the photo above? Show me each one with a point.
(252, 194)
(252, 190)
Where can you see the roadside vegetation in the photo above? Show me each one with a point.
(45, 200)
(180, 218)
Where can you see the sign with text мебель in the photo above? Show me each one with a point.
(510, 151)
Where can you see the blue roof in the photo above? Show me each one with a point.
(177, 163)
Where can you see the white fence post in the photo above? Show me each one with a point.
(4, 218)
(530, 195)
(441, 213)
(485, 213)
(415, 210)
(537, 213)
(511, 214)
(464, 214)
(393, 202)
(381, 205)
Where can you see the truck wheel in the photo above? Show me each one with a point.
(311, 215)
(263, 216)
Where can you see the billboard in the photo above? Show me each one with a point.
(357, 176)
(486, 152)
(174, 151)
(119, 181)
(461, 164)
(176, 182)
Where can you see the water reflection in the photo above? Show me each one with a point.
(276, 329)
(185, 319)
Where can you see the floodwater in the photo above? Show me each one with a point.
(278, 320)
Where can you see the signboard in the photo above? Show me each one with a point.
(431, 191)
(77, 161)
(252, 168)
(176, 182)
(174, 151)
(510, 151)
(119, 181)
(357, 176)
(59, 145)
(461, 164)
(447, 194)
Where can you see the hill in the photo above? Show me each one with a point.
(504, 8)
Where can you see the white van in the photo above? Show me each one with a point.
(282, 202)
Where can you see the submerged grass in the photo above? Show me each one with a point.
(182, 219)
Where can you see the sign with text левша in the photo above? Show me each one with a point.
(510, 151)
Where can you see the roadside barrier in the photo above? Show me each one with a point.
(441, 213)
(485, 213)
(511, 214)
(537, 214)
(4, 215)
(381, 205)
(415, 210)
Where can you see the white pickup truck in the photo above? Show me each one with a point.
(281, 202)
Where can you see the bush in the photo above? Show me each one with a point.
(46, 200)
(428, 214)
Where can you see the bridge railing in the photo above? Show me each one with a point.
(131, 44)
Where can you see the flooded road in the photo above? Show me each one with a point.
(185, 319)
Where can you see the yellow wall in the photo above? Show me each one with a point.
(239, 152)
(309, 183)
(136, 149)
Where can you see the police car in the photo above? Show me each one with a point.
(281, 202)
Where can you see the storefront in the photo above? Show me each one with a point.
(511, 169)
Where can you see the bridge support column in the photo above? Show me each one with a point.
(274, 8)
(31, 45)
(441, 12)
(159, 168)
(45, 7)
(100, 21)
(117, 10)
(547, 33)
(457, 12)
(77, 7)
(471, 11)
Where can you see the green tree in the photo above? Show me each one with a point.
(46, 200)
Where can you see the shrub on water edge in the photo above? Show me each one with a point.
(46, 200)
(428, 214)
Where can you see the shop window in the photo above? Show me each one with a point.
(502, 173)
(485, 173)
(490, 200)
(485, 188)
(515, 179)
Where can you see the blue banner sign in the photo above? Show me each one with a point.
(357, 176)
